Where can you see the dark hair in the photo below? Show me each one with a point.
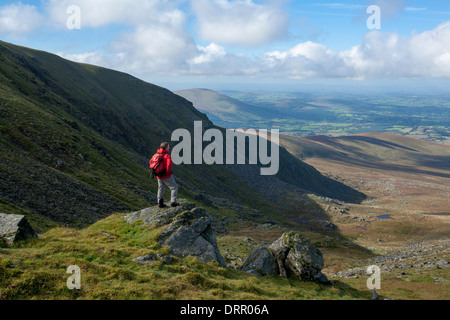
(164, 145)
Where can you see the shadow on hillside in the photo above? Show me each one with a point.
(378, 142)
(306, 177)
(430, 161)
(355, 156)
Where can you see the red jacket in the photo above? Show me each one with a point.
(167, 163)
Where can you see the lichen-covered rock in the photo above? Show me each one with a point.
(14, 228)
(298, 258)
(157, 216)
(187, 231)
(290, 256)
(261, 261)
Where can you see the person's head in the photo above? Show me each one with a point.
(165, 146)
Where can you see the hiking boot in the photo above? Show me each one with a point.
(161, 204)
(174, 204)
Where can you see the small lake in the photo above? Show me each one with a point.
(384, 216)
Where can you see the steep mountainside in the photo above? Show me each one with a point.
(75, 142)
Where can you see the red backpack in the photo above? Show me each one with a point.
(157, 167)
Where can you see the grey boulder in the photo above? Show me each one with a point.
(291, 256)
(187, 231)
(298, 258)
(157, 216)
(261, 261)
(14, 228)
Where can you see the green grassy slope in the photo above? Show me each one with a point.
(104, 252)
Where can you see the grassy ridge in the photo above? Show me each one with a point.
(103, 251)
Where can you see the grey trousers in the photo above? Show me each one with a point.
(171, 184)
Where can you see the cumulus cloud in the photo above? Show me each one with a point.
(214, 60)
(239, 22)
(155, 41)
(155, 48)
(19, 19)
(212, 52)
(92, 57)
(306, 60)
(381, 54)
(98, 13)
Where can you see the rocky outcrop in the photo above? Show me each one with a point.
(297, 257)
(187, 231)
(261, 262)
(291, 256)
(14, 228)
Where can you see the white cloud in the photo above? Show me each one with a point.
(239, 22)
(92, 57)
(214, 60)
(156, 42)
(97, 13)
(307, 60)
(209, 53)
(380, 55)
(155, 48)
(19, 19)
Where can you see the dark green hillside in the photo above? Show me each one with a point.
(75, 142)
(116, 105)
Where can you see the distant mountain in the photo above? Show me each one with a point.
(75, 141)
(223, 110)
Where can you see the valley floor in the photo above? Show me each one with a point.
(405, 221)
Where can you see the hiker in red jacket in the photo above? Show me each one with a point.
(166, 179)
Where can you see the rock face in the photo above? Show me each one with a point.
(297, 257)
(187, 231)
(291, 256)
(14, 227)
(261, 261)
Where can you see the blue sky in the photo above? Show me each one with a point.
(230, 43)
